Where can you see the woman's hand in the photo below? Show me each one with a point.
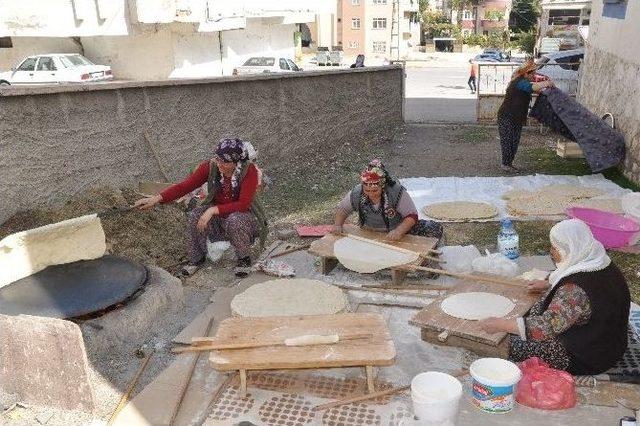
(538, 286)
(493, 325)
(148, 203)
(394, 235)
(204, 220)
(337, 229)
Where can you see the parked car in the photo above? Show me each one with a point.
(56, 68)
(266, 64)
(562, 67)
(486, 58)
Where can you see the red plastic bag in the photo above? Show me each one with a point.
(544, 387)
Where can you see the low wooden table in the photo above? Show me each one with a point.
(368, 353)
(323, 248)
(442, 329)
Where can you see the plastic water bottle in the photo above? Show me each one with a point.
(508, 240)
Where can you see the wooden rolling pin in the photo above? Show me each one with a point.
(472, 277)
(391, 247)
(375, 394)
(209, 344)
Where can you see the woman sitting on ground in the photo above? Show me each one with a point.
(230, 211)
(580, 324)
(384, 205)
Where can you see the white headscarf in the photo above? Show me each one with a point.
(579, 250)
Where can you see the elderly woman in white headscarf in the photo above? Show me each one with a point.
(580, 324)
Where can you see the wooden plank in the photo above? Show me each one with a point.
(196, 327)
(482, 349)
(433, 319)
(378, 351)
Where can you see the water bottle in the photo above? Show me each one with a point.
(508, 240)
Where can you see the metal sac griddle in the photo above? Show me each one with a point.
(74, 289)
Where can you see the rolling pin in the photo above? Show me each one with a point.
(208, 344)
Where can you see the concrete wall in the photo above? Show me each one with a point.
(59, 141)
(26, 46)
(610, 80)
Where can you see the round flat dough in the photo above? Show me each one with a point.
(366, 258)
(541, 205)
(612, 205)
(476, 305)
(571, 191)
(517, 193)
(460, 210)
(288, 297)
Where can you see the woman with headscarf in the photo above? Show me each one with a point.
(383, 205)
(230, 212)
(580, 324)
(514, 110)
(359, 62)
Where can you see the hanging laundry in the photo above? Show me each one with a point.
(603, 146)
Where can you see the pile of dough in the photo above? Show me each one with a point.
(476, 305)
(460, 210)
(27, 252)
(288, 297)
(366, 258)
(517, 193)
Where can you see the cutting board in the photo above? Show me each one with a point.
(377, 351)
(466, 333)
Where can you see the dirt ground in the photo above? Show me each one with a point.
(301, 193)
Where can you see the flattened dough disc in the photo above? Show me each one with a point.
(476, 305)
(366, 258)
(460, 210)
(293, 296)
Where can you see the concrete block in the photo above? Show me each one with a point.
(43, 361)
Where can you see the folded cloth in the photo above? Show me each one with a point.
(276, 268)
(603, 146)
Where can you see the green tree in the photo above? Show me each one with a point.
(436, 24)
(525, 41)
(524, 15)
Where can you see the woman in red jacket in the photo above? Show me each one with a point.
(229, 213)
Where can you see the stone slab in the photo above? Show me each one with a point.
(43, 361)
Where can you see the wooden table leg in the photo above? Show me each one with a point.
(243, 383)
(327, 264)
(370, 386)
(398, 276)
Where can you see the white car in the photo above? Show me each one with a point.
(266, 64)
(56, 68)
(562, 67)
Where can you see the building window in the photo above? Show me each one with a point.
(354, 45)
(355, 23)
(379, 1)
(467, 15)
(379, 47)
(379, 23)
(355, 2)
(5, 42)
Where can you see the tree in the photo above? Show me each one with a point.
(436, 24)
(524, 15)
(526, 41)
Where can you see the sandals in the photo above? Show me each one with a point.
(243, 268)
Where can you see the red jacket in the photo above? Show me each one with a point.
(224, 198)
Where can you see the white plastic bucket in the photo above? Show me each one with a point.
(435, 397)
(494, 381)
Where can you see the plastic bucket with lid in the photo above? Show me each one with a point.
(435, 397)
(494, 381)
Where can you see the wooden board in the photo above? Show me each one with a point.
(324, 247)
(378, 351)
(433, 319)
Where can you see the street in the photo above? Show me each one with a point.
(439, 94)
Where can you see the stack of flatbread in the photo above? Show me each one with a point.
(553, 200)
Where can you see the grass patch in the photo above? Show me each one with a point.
(474, 135)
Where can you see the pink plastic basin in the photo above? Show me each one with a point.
(612, 230)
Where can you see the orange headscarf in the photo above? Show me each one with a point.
(525, 69)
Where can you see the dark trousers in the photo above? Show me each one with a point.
(472, 83)
(510, 131)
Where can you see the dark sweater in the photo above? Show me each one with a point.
(516, 103)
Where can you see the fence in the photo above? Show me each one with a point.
(493, 79)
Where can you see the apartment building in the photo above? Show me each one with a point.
(487, 17)
(153, 39)
(385, 29)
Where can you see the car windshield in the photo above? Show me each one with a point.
(260, 62)
(71, 61)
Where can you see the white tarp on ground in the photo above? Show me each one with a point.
(426, 191)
